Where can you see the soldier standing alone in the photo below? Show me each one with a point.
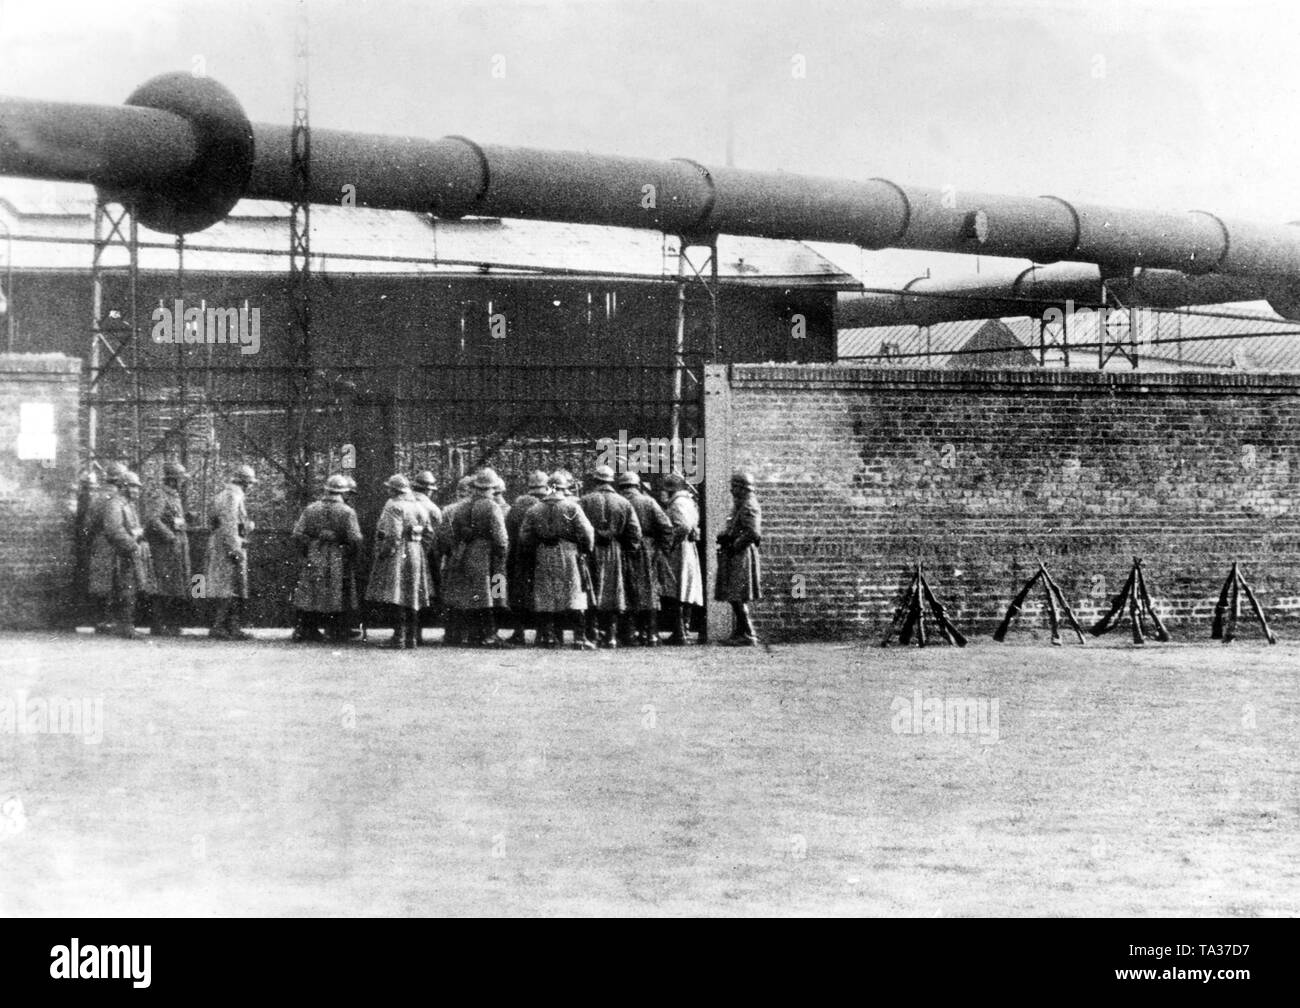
(739, 579)
(227, 573)
(328, 537)
(169, 542)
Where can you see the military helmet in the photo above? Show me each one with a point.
(336, 484)
(674, 481)
(128, 479)
(603, 474)
(174, 470)
(629, 479)
(114, 471)
(485, 479)
(741, 478)
(561, 479)
(352, 484)
(424, 480)
(397, 482)
(245, 475)
(538, 480)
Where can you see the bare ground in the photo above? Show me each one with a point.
(264, 779)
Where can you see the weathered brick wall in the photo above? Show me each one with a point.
(979, 476)
(37, 499)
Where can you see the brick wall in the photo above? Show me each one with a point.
(37, 499)
(979, 476)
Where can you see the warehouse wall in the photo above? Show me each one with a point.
(980, 475)
(37, 496)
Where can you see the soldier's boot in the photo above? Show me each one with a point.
(398, 641)
(546, 632)
(589, 624)
(518, 639)
(744, 635)
(607, 637)
(299, 634)
(412, 628)
(678, 636)
(650, 628)
(454, 632)
(157, 616)
(487, 636)
(217, 628)
(581, 622)
(123, 624)
(627, 636)
(235, 621)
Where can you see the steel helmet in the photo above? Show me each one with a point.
(245, 475)
(336, 485)
(398, 482)
(629, 479)
(537, 480)
(603, 474)
(424, 480)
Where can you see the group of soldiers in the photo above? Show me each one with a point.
(129, 558)
(604, 565)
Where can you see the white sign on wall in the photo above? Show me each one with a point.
(36, 437)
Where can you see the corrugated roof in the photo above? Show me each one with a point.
(1197, 339)
(59, 210)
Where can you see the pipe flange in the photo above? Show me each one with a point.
(208, 189)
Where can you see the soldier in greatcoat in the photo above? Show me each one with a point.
(423, 486)
(617, 530)
(453, 620)
(520, 559)
(227, 571)
(95, 493)
(739, 577)
(398, 575)
(683, 577)
(120, 565)
(557, 530)
(640, 625)
(328, 537)
(478, 587)
(167, 528)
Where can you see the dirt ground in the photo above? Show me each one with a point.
(267, 779)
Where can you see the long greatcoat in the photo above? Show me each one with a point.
(120, 563)
(227, 573)
(169, 541)
(687, 583)
(558, 530)
(520, 559)
(398, 573)
(739, 577)
(617, 529)
(433, 527)
(478, 555)
(328, 535)
(641, 563)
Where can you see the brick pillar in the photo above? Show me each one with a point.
(717, 482)
(38, 494)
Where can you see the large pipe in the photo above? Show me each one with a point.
(1009, 294)
(142, 152)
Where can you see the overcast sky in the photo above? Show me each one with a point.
(1151, 104)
